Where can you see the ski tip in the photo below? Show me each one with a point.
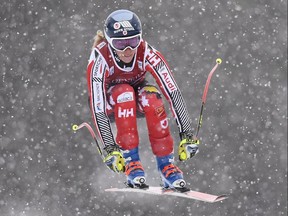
(218, 60)
(221, 197)
(75, 127)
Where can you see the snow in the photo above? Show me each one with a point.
(48, 170)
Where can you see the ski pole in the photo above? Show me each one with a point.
(84, 124)
(218, 62)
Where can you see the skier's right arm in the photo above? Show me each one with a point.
(96, 72)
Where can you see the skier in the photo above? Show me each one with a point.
(118, 91)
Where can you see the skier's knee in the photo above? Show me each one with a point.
(121, 93)
(150, 98)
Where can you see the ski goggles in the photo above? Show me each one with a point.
(121, 44)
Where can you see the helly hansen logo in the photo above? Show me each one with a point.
(153, 58)
(125, 113)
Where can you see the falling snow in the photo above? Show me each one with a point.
(48, 170)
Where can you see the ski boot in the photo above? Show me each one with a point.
(171, 175)
(134, 170)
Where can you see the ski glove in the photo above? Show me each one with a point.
(114, 159)
(188, 146)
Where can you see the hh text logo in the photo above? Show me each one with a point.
(125, 113)
(153, 58)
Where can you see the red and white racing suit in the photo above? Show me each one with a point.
(123, 91)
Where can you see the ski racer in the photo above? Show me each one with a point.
(118, 91)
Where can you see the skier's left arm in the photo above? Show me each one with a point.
(156, 64)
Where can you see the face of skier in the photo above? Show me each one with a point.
(127, 55)
(126, 47)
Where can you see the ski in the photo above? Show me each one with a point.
(190, 194)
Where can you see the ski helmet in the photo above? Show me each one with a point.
(122, 24)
